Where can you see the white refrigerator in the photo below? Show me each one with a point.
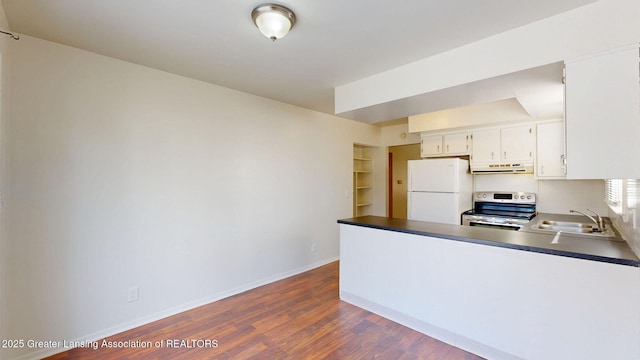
(439, 190)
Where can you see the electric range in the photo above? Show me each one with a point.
(501, 210)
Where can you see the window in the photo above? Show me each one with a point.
(622, 195)
(613, 192)
(633, 193)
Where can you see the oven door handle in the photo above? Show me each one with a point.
(471, 222)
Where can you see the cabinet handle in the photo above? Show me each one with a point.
(541, 169)
(505, 155)
(447, 148)
(492, 155)
(438, 148)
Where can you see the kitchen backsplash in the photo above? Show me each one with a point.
(560, 196)
(553, 196)
(628, 222)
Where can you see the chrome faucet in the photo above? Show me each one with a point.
(599, 222)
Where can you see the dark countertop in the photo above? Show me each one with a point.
(579, 247)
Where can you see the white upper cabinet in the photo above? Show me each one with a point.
(447, 144)
(486, 146)
(456, 143)
(513, 144)
(517, 144)
(602, 114)
(550, 149)
(431, 145)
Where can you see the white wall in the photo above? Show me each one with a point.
(487, 114)
(398, 135)
(4, 246)
(560, 196)
(601, 25)
(121, 175)
(629, 223)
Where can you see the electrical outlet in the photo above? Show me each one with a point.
(314, 248)
(132, 294)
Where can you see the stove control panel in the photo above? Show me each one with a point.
(505, 197)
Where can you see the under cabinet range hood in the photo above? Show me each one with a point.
(520, 168)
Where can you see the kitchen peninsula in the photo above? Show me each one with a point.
(499, 294)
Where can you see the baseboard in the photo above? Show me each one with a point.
(435, 332)
(174, 310)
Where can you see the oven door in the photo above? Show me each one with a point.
(491, 222)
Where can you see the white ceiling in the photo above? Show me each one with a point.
(334, 42)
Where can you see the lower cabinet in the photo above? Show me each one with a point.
(496, 302)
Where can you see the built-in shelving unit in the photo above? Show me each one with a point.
(362, 179)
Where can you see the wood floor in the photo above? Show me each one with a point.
(300, 317)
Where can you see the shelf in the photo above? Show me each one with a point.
(363, 166)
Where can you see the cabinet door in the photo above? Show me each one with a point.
(431, 145)
(550, 150)
(602, 114)
(485, 146)
(456, 144)
(517, 144)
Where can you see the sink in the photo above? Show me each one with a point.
(566, 226)
(569, 227)
(566, 223)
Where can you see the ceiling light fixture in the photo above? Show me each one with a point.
(274, 21)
